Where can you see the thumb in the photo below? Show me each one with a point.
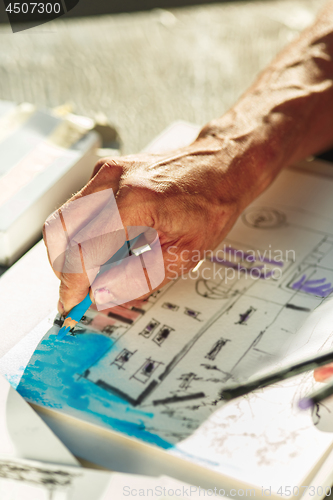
(97, 239)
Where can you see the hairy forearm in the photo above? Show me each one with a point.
(287, 114)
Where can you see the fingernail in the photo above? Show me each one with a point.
(102, 295)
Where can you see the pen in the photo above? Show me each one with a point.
(289, 371)
(316, 396)
(76, 314)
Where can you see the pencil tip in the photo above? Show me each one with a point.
(63, 332)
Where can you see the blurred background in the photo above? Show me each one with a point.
(143, 64)
(147, 67)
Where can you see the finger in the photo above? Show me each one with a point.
(120, 284)
(63, 224)
(82, 263)
(111, 162)
(89, 249)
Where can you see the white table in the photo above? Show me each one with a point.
(28, 293)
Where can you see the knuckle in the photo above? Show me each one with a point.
(98, 166)
(107, 168)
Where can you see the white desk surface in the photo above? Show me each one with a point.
(28, 293)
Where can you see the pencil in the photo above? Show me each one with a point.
(316, 396)
(307, 364)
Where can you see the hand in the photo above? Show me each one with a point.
(191, 197)
(323, 373)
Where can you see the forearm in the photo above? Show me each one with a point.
(287, 114)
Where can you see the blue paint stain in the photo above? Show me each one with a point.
(53, 379)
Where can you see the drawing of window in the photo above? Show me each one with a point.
(171, 307)
(146, 370)
(77, 329)
(58, 320)
(109, 329)
(190, 312)
(86, 320)
(122, 358)
(163, 334)
(152, 325)
(216, 349)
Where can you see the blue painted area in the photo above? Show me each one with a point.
(14, 380)
(53, 378)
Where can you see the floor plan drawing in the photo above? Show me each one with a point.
(154, 369)
(247, 319)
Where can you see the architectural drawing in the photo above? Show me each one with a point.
(272, 310)
(161, 363)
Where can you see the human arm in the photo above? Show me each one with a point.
(193, 196)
